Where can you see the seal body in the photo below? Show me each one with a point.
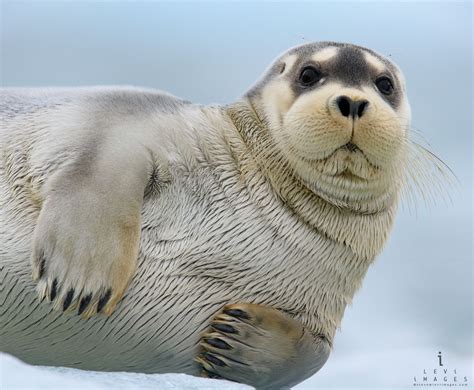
(223, 218)
(208, 238)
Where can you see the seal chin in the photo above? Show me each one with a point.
(345, 176)
(350, 176)
(347, 161)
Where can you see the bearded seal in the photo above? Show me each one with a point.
(233, 236)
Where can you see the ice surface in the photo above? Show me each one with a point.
(345, 369)
(15, 374)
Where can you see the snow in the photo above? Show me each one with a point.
(15, 374)
(355, 370)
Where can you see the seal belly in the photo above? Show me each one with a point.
(188, 264)
(201, 248)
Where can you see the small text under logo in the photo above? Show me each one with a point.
(440, 376)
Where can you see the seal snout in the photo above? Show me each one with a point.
(351, 108)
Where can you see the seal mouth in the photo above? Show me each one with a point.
(350, 150)
(351, 147)
(347, 174)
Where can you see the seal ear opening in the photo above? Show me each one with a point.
(282, 67)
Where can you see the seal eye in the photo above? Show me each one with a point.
(384, 84)
(309, 76)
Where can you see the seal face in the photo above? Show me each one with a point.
(339, 114)
(237, 234)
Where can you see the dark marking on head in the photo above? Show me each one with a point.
(348, 67)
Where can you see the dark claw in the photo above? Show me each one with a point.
(84, 303)
(42, 266)
(237, 313)
(54, 290)
(210, 374)
(211, 358)
(103, 301)
(68, 299)
(224, 328)
(218, 343)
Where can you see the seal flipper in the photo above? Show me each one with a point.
(86, 239)
(260, 346)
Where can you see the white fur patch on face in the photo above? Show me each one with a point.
(277, 98)
(289, 61)
(325, 54)
(374, 62)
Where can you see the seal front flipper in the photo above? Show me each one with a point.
(260, 346)
(86, 239)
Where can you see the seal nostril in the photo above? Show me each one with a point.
(363, 104)
(349, 107)
(344, 104)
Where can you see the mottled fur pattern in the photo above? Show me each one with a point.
(256, 202)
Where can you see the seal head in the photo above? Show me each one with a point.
(339, 115)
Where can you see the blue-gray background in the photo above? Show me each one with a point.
(417, 298)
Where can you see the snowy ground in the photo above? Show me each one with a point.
(392, 369)
(15, 374)
(395, 369)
